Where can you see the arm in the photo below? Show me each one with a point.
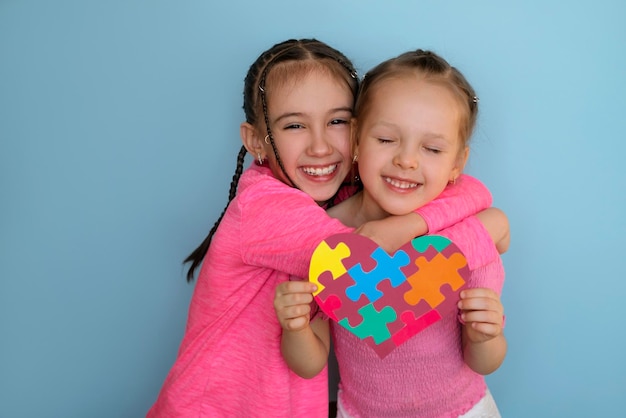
(497, 224)
(394, 231)
(281, 227)
(305, 343)
(484, 344)
(458, 201)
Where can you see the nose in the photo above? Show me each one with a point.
(320, 144)
(406, 159)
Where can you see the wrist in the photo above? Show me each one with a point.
(417, 224)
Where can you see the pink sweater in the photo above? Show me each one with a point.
(229, 363)
(426, 376)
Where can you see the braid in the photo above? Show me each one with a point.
(198, 254)
(269, 130)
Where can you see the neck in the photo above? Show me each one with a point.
(357, 210)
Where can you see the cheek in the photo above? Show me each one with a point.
(342, 144)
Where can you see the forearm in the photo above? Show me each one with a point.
(484, 357)
(304, 351)
(458, 201)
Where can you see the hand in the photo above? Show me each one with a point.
(482, 314)
(393, 232)
(292, 303)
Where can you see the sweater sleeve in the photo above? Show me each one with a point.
(466, 197)
(280, 229)
(473, 240)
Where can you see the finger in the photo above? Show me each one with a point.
(479, 292)
(480, 303)
(299, 286)
(490, 330)
(296, 324)
(489, 317)
(295, 311)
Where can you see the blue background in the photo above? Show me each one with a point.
(118, 139)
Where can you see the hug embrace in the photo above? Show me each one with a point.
(382, 157)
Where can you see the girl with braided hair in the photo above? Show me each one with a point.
(413, 117)
(298, 101)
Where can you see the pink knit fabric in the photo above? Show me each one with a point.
(229, 363)
(426, 376)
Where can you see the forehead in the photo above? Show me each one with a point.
(292, 72)
(307, 85)
(414, 107)
(409, 91)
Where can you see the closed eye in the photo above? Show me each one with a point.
(294, 126)
(433, 150)
(385, 140)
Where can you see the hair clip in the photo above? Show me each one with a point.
(475, 99)
(261, 88)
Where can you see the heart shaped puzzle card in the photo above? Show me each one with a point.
(386, 299)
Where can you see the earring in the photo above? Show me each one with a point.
(453, 181)
(267, 139)
(355, 158)
(260, 160)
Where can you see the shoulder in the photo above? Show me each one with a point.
(260, 191)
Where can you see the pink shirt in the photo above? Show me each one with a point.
(426, 376)
(229, 363)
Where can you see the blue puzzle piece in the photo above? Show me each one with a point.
(387, 267)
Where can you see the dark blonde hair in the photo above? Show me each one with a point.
(433, 69)
(284, 61)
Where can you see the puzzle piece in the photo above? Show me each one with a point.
(451, 299)
(330, 305)
(350, 311)
(333, 288)
(387, 267)
(373, 324)
(329, 259)
(432, 275)
(360, 250)
(394, 297)
(438, 242)
(382, 349)
(415, 324)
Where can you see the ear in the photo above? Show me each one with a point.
(460, 163)
(251, 140)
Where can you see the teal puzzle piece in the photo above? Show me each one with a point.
(374, 323)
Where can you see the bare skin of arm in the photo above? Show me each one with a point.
(484, 344)
(305, 344)
(497, 224)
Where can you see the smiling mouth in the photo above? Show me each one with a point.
(400, 184)
(320, 171)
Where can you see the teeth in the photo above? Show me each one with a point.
(400, 184)
(320, 171)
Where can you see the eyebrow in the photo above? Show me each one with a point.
(299, 114)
